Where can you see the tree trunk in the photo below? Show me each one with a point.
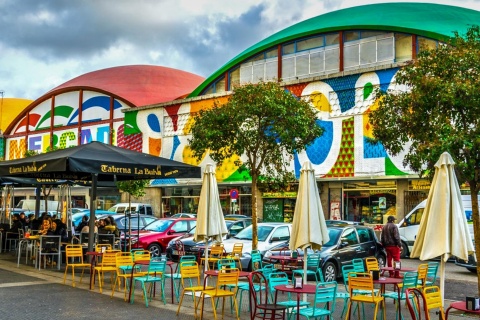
(476, 227)
(129, 223)
(254, 212)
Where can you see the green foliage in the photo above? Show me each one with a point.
(262, 123)
(438, 112)
(29, 153)
(135, 188)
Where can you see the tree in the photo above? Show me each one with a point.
(134, 188)
(261, 122)
(438, 111)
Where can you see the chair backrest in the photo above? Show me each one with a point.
(360, 281)
(102, 247)
(156, 267)
(225, 262)
(141, 255)
(50, 244)
(74, 251)
(109, 258)
(433, 297)
(237, 249)
(228, 278)
(259, 291)
(256, 259)
(84, 236)
(432, 272)
(415, 302)
(313, 260)
(189, 272)
(123, 259)
(422, 273)
(267, 269)
(106, 239)
(216, 250)
(358, 264)
(275, 279)
(325, 293)
(410, 280)
(179, 247)
(372, 264)
(188, 258)
(346, 269)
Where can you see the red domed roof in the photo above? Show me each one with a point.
(140, 84)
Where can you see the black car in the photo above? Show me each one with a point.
(190, 246)
(347, 242)
(471, 264)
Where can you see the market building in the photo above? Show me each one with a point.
(336, 59)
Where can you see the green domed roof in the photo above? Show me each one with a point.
(424, 19)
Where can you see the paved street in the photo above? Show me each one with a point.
(26, 293)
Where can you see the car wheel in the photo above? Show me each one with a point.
(329, 272)
(404, 251)
(155, 249)
(381, 260)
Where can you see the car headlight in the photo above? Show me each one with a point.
(170, 244)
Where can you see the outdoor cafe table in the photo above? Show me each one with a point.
(146, 263)
(284, 260)
(461, 306)
(382, 281)
(25, 241)
(93, 262)
(214, 273)
(306, 289)
(402, 269)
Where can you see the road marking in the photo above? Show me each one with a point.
(20, 284)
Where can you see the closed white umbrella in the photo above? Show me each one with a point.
(443, 230)
(210, 221)
(308, 228)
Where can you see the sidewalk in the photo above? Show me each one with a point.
(28, 293)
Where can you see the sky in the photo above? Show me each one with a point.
(44, 43)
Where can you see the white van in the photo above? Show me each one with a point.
(408, 227)
(142, 208)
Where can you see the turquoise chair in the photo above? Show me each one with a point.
(313, 261)
(358, 264)
(279, 278)
(176, 276)
(155, 274)
(323, 303)
(410, 280)
(432, 273)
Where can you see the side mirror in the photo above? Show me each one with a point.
(170, 232)
(343, 244)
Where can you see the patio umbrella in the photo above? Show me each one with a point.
(308, 228)
(443, 230)
(210, 221)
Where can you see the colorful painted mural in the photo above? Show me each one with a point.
(345, 149)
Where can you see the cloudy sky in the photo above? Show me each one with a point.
(44, 43)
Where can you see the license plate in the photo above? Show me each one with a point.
(277, 266)
(175, 252)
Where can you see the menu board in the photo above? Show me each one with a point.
(273, 210)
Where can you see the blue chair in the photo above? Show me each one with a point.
(279, 278)
(358, 265)
(323, 303)
(431, 273)
(155, 274)
(313, 261)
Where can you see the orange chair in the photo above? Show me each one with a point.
(108, 264)
(371, 263)
(216, 252)
(236, 254)
(363, 282)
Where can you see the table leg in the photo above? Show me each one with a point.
(447, 311)
(93, 261)
(171, 283)
(298, 306)
(131, 282)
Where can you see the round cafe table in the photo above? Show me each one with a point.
(461, 306)
(395, 281)
(306, 289)
(285, 260)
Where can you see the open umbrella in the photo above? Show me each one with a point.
(308, 228)
(443, 230)
(210, 221)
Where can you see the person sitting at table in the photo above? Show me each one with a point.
(86, 229)
(82, 224)
(114, 227)
(101, 227)
(14, 229)
(46, 229)
(60, 229)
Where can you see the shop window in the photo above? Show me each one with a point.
(403, 47)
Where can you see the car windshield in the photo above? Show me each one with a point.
(159, 225)
(246, 234)
(333, 234)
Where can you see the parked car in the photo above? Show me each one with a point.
(235, 216)
(77, 216)
(471, 264)
(346, 243)
(143, 208)
(156, 236)
(269, 234)
(184, 215)
(193, 248)
(137, 221)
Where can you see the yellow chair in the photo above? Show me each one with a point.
(216, 252)
(124, 265)
(433, 298)
(371, 263)
(74, 257)
(103, 247)
(363, 282)
(430, 298)
(142, 255)
(108, 264)
(191, 283)
(236, 254)
(422, 275)
(224, 280)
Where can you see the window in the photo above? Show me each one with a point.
(180, 226)
(310, 43)
(414, 218)
(364, 235)
(373, 50)
(403, 47)
(349, 236)
(424, 43)
(280, 234)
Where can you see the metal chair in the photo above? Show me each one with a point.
(50, 246)
(155, 273)
(432, 273)
(371, 263)
(323, 303)
(422, 270)
(421, 302)
(108, 264)
(260, 306)
(409, 281)
(236, 253)
(216, 252)
(279, 278)
(177, 276)
(74, 259)
(313, 261)
(191, 283)
(363, 282)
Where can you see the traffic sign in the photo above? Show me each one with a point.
(234, 194)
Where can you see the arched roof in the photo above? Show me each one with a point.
(424, 19)
(139, 84)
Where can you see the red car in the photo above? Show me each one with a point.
(155, 236)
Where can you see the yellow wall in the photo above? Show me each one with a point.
(9, 109)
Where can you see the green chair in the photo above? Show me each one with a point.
(155, 274)
(431, 273)
(358, 265)
(313, 261)
(323, 303)
(410, 280)
(279, 278)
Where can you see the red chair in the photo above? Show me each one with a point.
(260, 307)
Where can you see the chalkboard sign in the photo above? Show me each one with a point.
(273, 210)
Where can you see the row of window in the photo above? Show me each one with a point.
(319, 55)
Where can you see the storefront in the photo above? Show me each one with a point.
(278, 206)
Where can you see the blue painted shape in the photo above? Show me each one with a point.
(344, 87)
(318, 151)
(94, 102)
(156, 182)
(153, 123)
(297, 166)
(176, 144)
(371, 151)
(385, 77)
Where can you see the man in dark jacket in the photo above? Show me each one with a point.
(391, 241)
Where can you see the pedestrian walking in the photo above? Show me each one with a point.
(391, 241)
